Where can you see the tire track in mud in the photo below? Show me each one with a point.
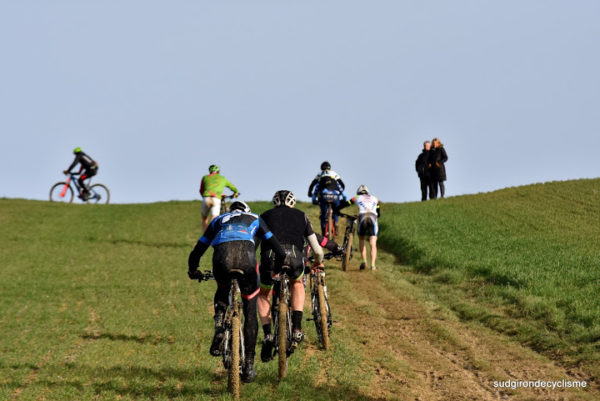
(418, 353)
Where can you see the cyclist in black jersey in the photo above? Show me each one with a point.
(291, 226)
(232, 236)
(89, 165)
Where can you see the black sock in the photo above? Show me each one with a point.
(267, 329)
(297, 320)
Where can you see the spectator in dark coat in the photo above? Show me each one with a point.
(436, 163)
(423, 170)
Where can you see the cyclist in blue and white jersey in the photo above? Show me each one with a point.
(327, 186)
(368, 212)
(232, 235)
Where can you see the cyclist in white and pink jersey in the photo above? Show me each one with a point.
(368, 212)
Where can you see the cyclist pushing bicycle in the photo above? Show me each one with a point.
(232, 237)
(368, 212)
(326, 188)
(291, 226)
(211, 189)
(86, 163)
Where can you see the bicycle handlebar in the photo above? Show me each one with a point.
(348, 216)
(230, 196)
(207, 275)
(327, 256)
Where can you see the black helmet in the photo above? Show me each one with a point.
(239, 205)
(213, 168)
(325, 166)
(284, 197)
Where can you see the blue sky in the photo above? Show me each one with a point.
(157, 91)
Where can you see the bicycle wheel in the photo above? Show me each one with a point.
(99, 194)
(234, 368)
(61, 192)
(347, 250)
(282, 339)
(323, 315)
(330, 229)
(314, 299)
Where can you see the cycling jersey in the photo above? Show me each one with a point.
(214, 184)
(366, 203)
(235, 226)
(290, 226)
(327, 179)
(86, 162)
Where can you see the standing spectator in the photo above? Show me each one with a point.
(423, 170)
(211, 189)
(437, 160)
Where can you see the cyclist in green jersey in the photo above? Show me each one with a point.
(211, 189)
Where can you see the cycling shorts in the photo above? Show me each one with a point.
(294, 258)
(237, 255)
(367, 225)
(211, 205)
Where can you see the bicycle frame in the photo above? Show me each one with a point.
(73, 178)
(224, 202)
(348, 239)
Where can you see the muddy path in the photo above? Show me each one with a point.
(417, 350)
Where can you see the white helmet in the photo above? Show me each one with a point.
(239, 205)
(362, 190)
(284, 197)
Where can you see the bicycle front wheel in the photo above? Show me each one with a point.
(99, 193)
(282, 336)
(323, 316)
(61, 192)
(234, 368)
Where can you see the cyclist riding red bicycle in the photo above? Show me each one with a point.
(232, 237)
(325, 188)
(89, 165)
(291, 226)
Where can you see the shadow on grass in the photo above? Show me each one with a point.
(149, 244)
(143, 339)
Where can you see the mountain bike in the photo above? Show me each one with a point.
(232, 346)
(282, 320)
(224, 202)
(320, 304)
(348, 239)
(63, 191)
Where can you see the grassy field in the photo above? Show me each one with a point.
(95, 302)
(524, 261)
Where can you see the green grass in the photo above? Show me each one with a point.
(524, 261)
(95, 302)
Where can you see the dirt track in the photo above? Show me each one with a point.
(419, 352)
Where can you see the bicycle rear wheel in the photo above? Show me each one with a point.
(323, 315)
(330, 228)
(347, 251)
(234, 369)
(61, 192)
(282, 340)
(99, 194)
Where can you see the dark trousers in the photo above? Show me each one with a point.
(425, 188)
(434, 189)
